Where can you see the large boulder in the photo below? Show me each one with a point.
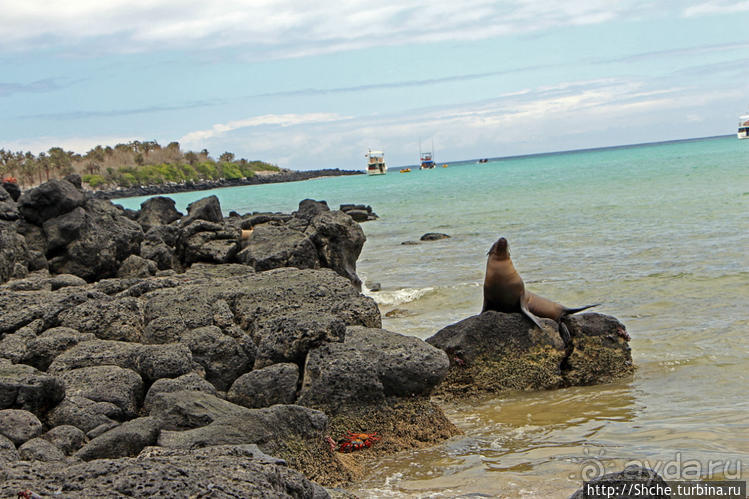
(43, 349)
(108, 319)
(222, 471)
(152, 362)
(288, 337)
(14, 254)
(188, 382)
(12, 189)
(184, 410)
(49, 200)
(8, 452)
(204, 241)
(19, 426)
(494, 351)
(207, 208)
(83, 413)
(23, 387)
(274, 245)
(104, 237)
(127, 439)
(67, 438)
(369, 366)
(8, 206)
(39, 449)
(223, 359)
(339, 241)
(601, 351)
(121, 387)
(276, 384)
(158, 210)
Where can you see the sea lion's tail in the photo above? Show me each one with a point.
(570, 311)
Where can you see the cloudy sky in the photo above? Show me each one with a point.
(308, 86)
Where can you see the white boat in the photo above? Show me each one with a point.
(425, 158)
(376, 164)
(743, 132)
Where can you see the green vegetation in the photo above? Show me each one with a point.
(126, 165)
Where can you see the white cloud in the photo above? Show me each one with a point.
(612, 110)
(284, 28)
(279, 120)
(76, 144)
(716, 7)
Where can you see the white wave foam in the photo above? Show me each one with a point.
(398, 296)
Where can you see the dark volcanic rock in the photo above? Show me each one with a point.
(270, 428)
(121, 387)
(23, 387)
(12, 189)
(189, 382)
(369, 366)
(135, 266)
(8, 206)
(156, 211)
(38, 449)
(288, 338)
(152, 362)
(19, 426)
(359, 212)
(223, 471)
(271, 246)
(184, 410)
(128, 439)
(339, 241)
(207, 208)
(158, 245)
(8, 452)
(104, 238)
(494, 351)
(49, 200)
(43, 349)
(601, 351)
(108, 319)
(203, 241)
(14, 254)
(264, 387)
(625, 480)
(67, 438)
(433, 236)
(222, 357)
(83, 413)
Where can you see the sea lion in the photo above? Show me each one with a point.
(504, 291)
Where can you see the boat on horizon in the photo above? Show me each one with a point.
(743, 132)
(426, 160)
(376, 164)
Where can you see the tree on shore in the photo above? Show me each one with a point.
(125, 165)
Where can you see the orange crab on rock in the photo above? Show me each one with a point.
(357, 441)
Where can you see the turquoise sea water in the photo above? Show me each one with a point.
(658, 233)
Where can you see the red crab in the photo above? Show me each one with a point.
(357, 441)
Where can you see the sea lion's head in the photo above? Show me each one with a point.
(500, 250)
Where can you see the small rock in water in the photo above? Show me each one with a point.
(410, 243)
(434, 236)
(375, 286)
(398, 312)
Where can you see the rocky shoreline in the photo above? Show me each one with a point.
(155, 353)
(171, 188)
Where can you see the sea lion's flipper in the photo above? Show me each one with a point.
(564, 333)
(524, 309)
(570, 311)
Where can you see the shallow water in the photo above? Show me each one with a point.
(658, 233)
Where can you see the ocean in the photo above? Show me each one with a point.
(659, 233)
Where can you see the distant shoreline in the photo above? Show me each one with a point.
(171, 188)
